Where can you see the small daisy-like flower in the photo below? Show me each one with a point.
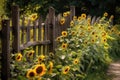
(18, 57)
(105, 14)
(83, 16)
(64, 45)
(62, 21)
(71, 23)
(64, 33)
(31, 74)
(40, 69)
(65, 69)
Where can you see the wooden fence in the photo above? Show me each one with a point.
(20, 36)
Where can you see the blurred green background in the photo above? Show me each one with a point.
(92, 7)
(1, 7)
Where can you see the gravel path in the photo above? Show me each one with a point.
(114, 70)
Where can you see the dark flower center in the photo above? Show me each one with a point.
(39, 69)
(66, 70)
(18, 57)
(32, 74)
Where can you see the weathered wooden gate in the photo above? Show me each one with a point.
(15, 38)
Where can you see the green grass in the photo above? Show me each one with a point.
(101, 75)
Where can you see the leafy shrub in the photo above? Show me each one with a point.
(81, 49)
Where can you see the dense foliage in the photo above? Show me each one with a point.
(91, 7)
(82, 49)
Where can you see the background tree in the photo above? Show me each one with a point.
(92, 7)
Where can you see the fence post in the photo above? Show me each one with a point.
(16, 28)
(72, 12)
(51, 27)
(5, 69)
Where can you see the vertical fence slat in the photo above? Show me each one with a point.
(72, 12)
(51, 28)
(47, 32)
(28, 32)
(39, 34)
(34, 36)
(5, 70)
(16, 28)
(23, 30)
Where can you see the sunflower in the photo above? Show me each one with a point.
(64, 45)
(62, 21)
(40, 69)
(104, 34)
(41, 58)
(85, 42)
(71, 23)
(30, 53)
(89, 20)
(51, 54)
(58, 39)
(68, 12)
(73, 32)
(65, 14)
(93, 33)
(65, 69)
(83, 16)
(64, 33)
(79, 18)
(31, 73)
(96, 36)
(18, 57)
(33, 17)
(74, 17)
(113, 29)
(82, 33)
(89, 28)
(50, 67)
(76, 61)
(100, 27)
(105, 14)
(93, 40)
(103, 40)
